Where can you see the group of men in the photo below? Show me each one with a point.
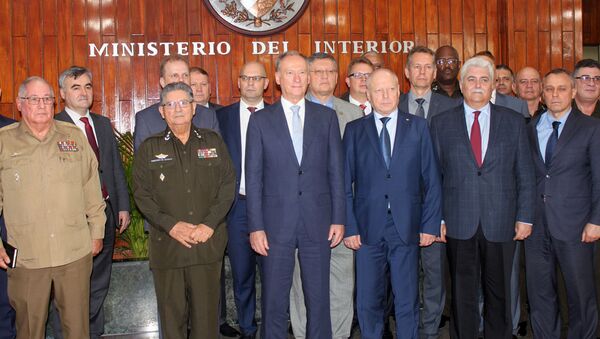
(343, 203)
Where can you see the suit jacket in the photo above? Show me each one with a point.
(411, 186)
(282, 193)
(496, 195)
(568, 193)
(149, 122)
(345, 112)
(112, 175)
(214, 106)
(438, 104)
(516, 104)
(345, 96)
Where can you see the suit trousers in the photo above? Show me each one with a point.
(471, 262)
(277, 271)
(7, 314)
(188, 295)
(341, 289)
(576, 260)
(401, 259)
(29, 291)
(243, 262)
(99, 282)
(433, 293)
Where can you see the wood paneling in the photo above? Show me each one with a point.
(43, 37)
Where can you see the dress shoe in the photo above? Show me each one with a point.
(228, 331)
(522, 329)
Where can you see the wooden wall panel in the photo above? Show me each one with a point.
(539, 33)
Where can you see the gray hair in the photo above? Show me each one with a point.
(73, 72)
(478, 61)
(322, 56)
(175, 86)
(23, 87)
(285, 55)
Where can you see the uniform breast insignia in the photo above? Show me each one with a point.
(67, 146)
(161, 157)
(207, 153)
(161, 177)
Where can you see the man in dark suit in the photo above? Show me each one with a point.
(295, 189)
(233, 120)
(420, 71)
(76, 90)
(394, 205)
(566, 154)
(488, 192)
(359, 70)
(200, 84)
(447, 65)
(149, 122)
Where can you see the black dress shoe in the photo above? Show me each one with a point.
(228, 331)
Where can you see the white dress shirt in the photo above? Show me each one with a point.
(484, 125)
(244, 118)
(76, 116)
(353, 101)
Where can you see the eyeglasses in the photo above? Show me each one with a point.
(359, 75)
(324, 72)
(171, 105)
(450, 62)
(176, 77)
(36, 100)
(254, 78)
(588, 78)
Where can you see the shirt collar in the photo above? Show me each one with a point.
(412, 96)
(549, 119)
(287, 104)
(244, 105)
(312, 98)
(76, 116)
(392, 116)
(485, 110)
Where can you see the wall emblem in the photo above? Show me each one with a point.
(257, 17)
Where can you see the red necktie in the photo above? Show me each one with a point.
(89, 133)
(252, 109)
(476, 139)
(363, 107)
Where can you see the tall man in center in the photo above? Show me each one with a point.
(295, 190)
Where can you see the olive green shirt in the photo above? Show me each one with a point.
(193, 183)
(50, 194)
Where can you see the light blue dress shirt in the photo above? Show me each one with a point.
(391, 126)
(544, 129)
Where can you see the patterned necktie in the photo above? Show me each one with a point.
(251, 109)
(363, 107)
(420, 109)
(384, 141)
(551, 143)
(89, 133)
(476, 139)
(297, 132)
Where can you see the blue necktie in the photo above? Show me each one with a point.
(552, 143)
(297, 132)
(384, 141)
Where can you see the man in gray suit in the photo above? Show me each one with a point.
(420, 70)
(323, 79)
(76, 90)
(148, 121)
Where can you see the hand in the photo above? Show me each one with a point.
(522, 230)
(353, 242)
(4, 259)
(591, 233)
(426, 239)
(336, 234)
(259, 242)
(123, 221)
(442, 237)
(202, 233)
(96, 246)
(182, 232)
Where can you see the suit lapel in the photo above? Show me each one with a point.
(310, 127)
(463, 127)
(535, 142)
(371, 130)
(402, 127)
(235, 130)
(495, 119)
(570, 129)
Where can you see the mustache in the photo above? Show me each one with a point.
(477, 90)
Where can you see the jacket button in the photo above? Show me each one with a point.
(300, 172)
(479, 173)
(300, 193)
(547, 176)
(386, 196)
(388, 176)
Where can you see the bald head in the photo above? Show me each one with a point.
(528, 84)
(252, 82)
(383, 91)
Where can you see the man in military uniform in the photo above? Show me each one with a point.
(184, 183)
(49, 165)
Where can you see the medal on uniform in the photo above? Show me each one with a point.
(207, 153)
(161, 177)
(67, 146)
(17, 177)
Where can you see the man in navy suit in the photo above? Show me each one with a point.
(295, 189)
(76, 90)
(393, 201)
(233, 120)
(488, 189)
(566, 154)
(420, 70)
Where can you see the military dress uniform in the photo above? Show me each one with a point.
(194, 183)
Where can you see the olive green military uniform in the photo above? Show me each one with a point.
(193, 183)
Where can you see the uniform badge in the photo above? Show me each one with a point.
(161, 177)
(207, 153)
(161, 157)
(67, 146)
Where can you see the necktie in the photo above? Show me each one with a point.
(552, 143)
(89, 133)
(252, 109)
(363, 107)
(297, 132)
(384, 140)
(420, 109)
(476, 139)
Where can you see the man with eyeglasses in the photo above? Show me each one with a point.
(183, 183)
(200, 84)
(323, 79)
(54, 212)
(359, 70)
(528, 87)
(448, 65)
(587, 84)
(233, 120)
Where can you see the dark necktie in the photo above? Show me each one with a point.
(420, 109)
(252, 109)
(384, 140)
(476, 139)
(363, 107)
(552, 143)
(89, 133)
